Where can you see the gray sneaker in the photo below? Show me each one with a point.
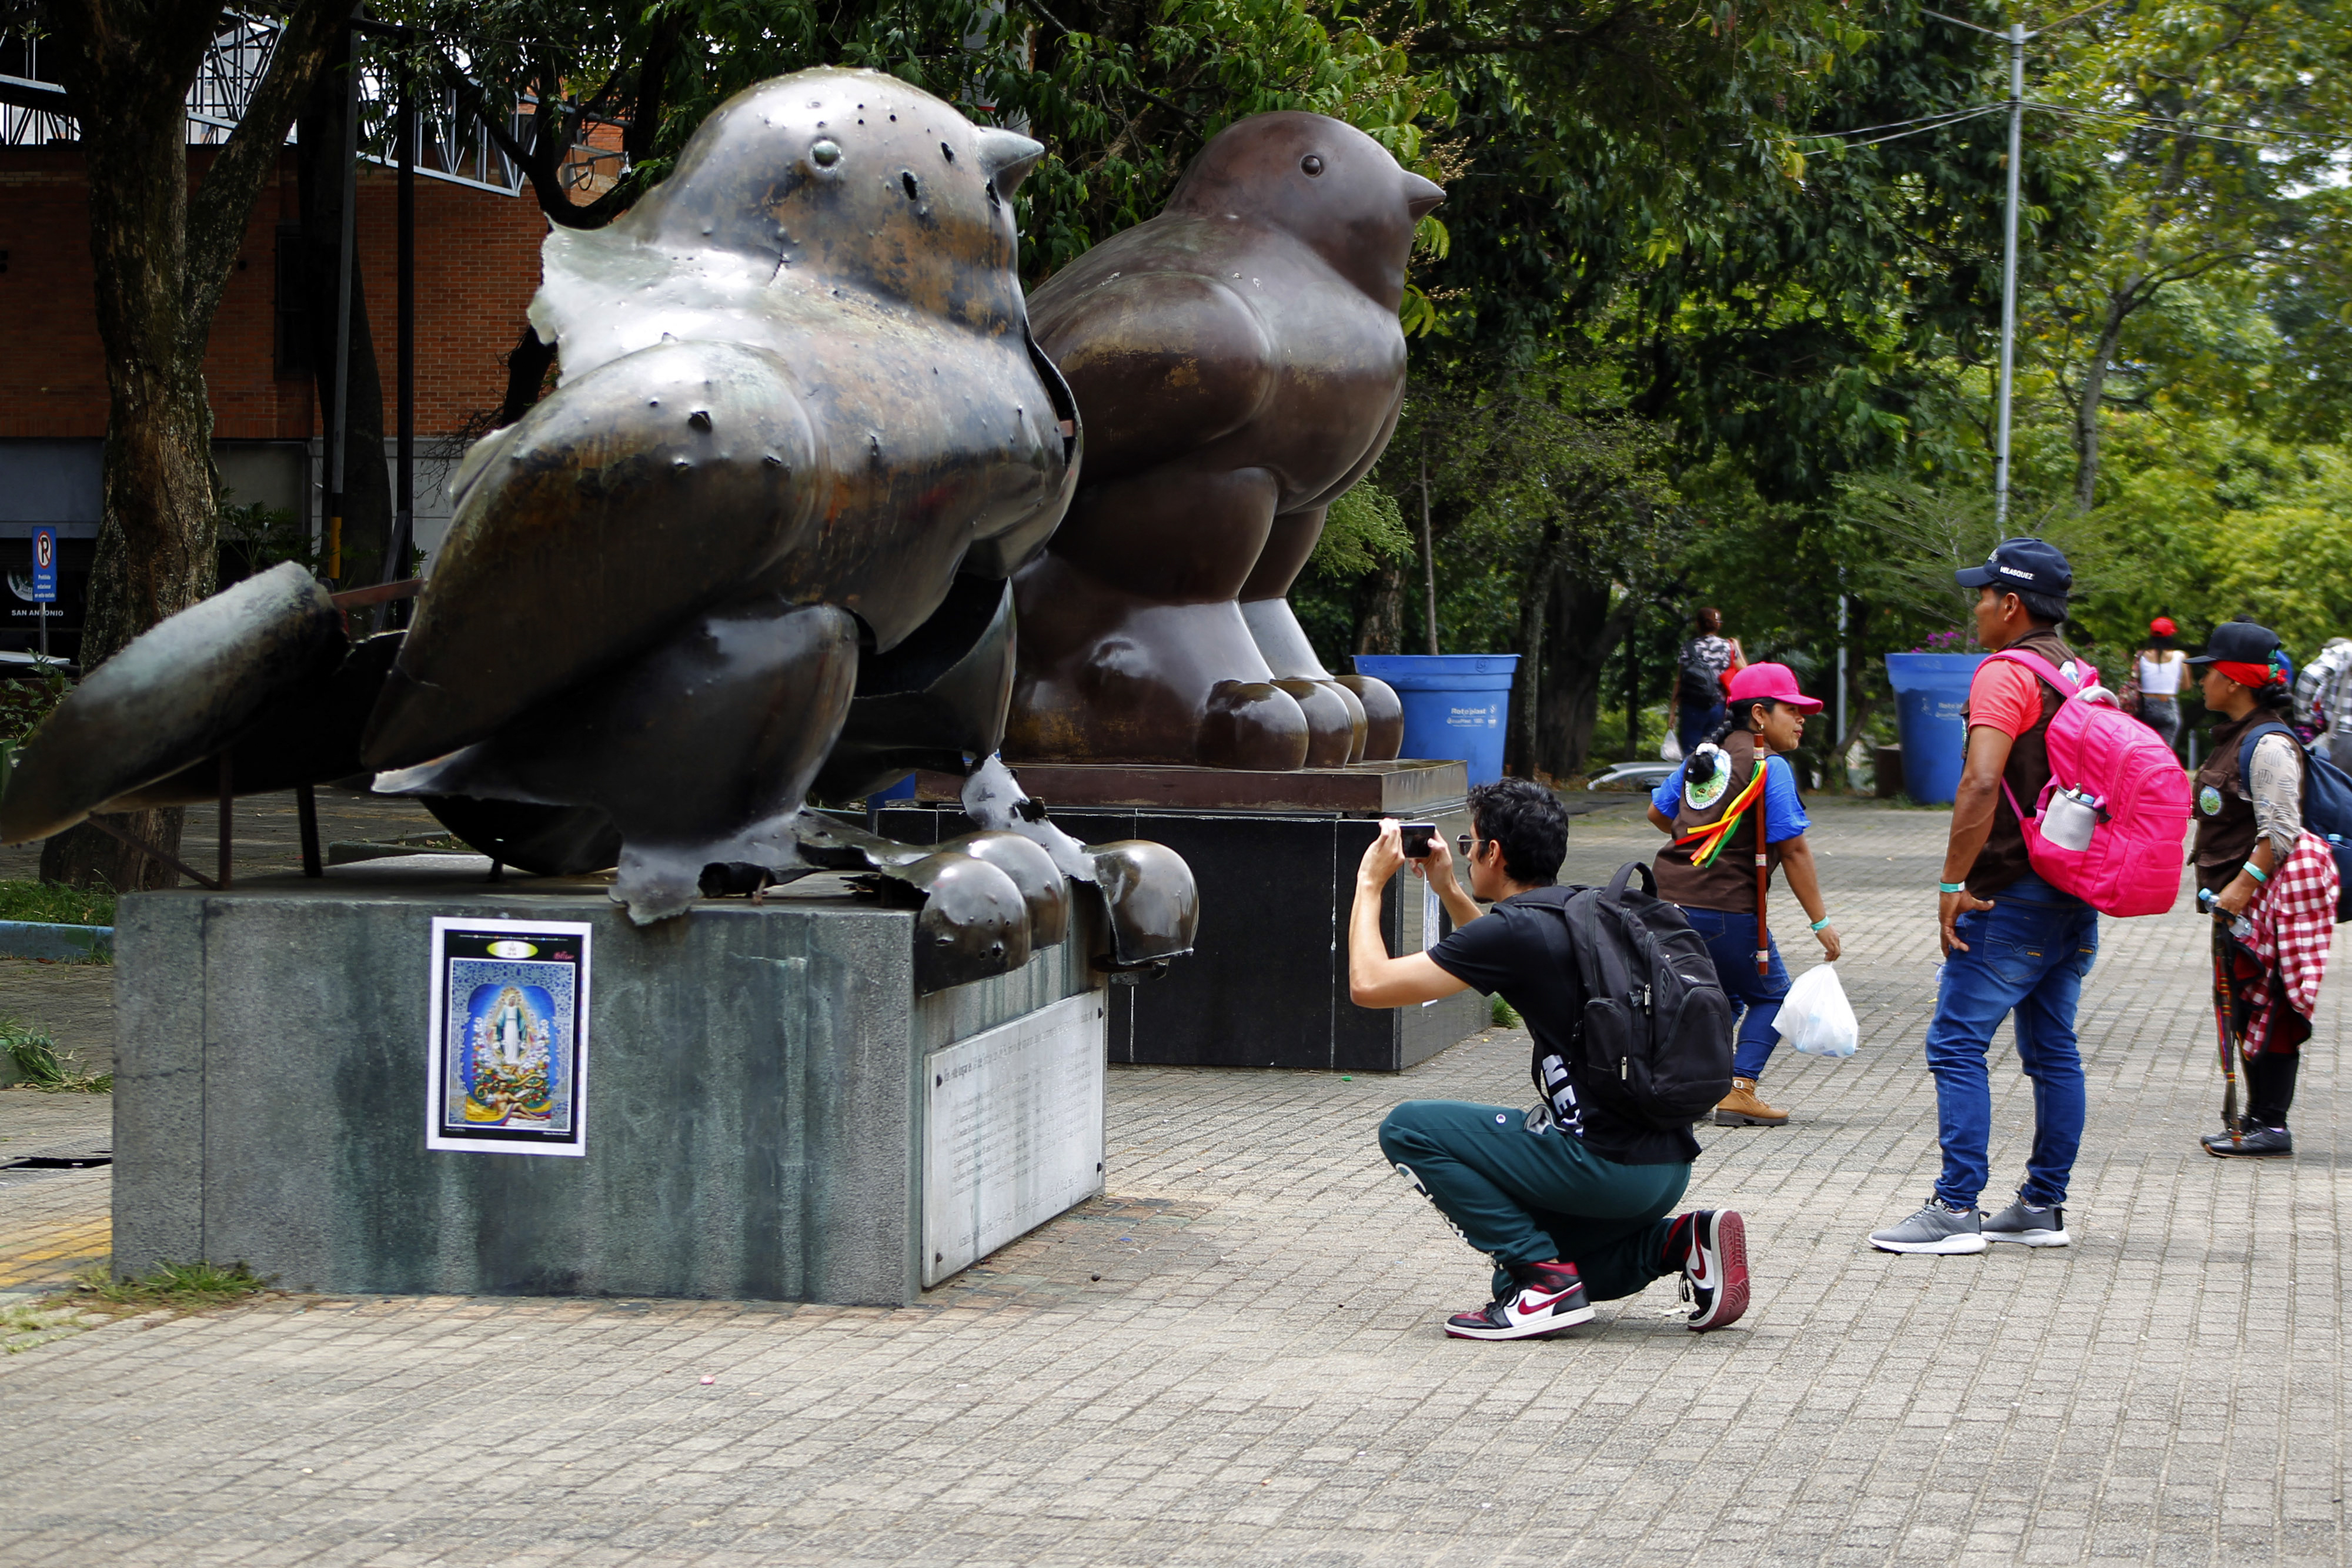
(1933, 1228)
(2022, 1223)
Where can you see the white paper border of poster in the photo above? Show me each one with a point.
(574, 1146)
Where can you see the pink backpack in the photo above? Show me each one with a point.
(2138, 789)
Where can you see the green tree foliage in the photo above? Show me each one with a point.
(1362, 529)
(2222, 124)
(1121, 94)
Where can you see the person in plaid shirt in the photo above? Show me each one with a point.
(2257, 859)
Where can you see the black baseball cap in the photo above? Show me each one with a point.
(2239, 642)
(2023, 566)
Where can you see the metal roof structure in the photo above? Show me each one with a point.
(450, 142)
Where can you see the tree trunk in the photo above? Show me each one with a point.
(526, 368)
(1583, 631)
(1521, 743)
(367, 483)
(1633, 687)
(161, 259)
(1380, 625)
(2086, 406)
(2121, 302)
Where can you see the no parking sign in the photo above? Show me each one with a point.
(45, 566)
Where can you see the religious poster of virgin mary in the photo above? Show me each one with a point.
(510, 1037)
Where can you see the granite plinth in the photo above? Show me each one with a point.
(762, 1114)
(1401, 789)
(1266, 982)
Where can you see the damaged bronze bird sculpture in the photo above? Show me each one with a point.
(758, 540)
(1238, 365)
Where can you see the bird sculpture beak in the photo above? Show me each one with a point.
(1422, 196)
(1008, 156)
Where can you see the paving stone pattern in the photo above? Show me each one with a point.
(53, 1223)
(1234, 1358)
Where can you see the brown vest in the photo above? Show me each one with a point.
(2227, 834)
(2003, 858)
(1729, 883)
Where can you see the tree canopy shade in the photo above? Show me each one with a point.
(2223, 126)
(1709, 316)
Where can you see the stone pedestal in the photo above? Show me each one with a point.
(1274, 857)
(773, 1113)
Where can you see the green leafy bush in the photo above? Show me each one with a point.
(25, 702)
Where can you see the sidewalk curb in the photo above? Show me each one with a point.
(37, 939)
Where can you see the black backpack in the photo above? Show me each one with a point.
(1655, 1045)
(2326, 805)
(1696, 684)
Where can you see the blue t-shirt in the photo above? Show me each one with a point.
(1784, 814)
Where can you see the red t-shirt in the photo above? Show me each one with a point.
(2004, 695)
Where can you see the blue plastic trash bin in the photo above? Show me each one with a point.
(1930, 691)
(1455, 704)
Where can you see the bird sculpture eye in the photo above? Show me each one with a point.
(1312, 164)
(824, 152)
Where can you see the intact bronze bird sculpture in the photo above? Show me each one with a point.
(759, 533)
(1238, 363)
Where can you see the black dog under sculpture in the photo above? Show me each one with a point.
(758, 540)
(1238, 365)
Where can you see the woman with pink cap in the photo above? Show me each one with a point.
(1731, 801)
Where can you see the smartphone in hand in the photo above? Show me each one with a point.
(1415, 837)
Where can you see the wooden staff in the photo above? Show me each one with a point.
(2225, 1012)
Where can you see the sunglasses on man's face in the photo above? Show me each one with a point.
(1466, 843)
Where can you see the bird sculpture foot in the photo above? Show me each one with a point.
(1183, 684)
(1149, 902)
(989, 901)
(1384, 717)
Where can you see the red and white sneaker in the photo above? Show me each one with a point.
(1551, 1298)
(1714, 1246)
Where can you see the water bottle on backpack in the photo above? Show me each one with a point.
(2113, 775)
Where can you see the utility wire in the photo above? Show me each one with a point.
(1930, 121)
(1956, 119)
(2002, 33)
(2174, 127)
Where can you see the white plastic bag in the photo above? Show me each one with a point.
(1816, 1018)
(1671, 748)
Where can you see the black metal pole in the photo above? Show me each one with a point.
(227, 818)
(306, 812)
(344, 260)
(404, 525)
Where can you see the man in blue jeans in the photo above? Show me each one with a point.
(2013, 945)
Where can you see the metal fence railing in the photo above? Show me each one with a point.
(451, 144)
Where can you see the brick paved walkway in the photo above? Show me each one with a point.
(1234, 1360)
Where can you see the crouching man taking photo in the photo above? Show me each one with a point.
(1570, 1200)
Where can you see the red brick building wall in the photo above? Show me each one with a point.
(476, 266)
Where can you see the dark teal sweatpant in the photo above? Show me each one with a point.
(1524, 1196)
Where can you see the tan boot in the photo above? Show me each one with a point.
(1741, 1108)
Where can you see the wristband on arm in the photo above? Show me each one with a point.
(1824, 920)
(2257, 872)
(1951, 887)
